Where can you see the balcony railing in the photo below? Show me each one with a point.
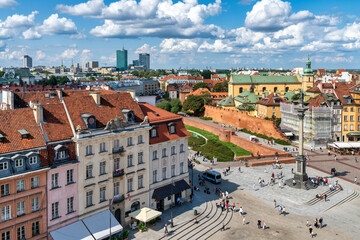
(118, 198)
(118, 150)
(118, 172)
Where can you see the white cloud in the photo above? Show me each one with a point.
(217, 46)
(90, 8)
(318, 46)
(15, 24)
(85, 56)
(2, 45)
(55, 25)
(7, 3)
(78, 35)
(17, 54)
(40, 55)
(69, 53)
(146, 49)
(171, 45)
(31, 33)
(108, 60)
(335, 59)
(350, 32)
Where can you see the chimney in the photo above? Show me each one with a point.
(38, 112)
(96, 97)
(60, 94)
(132, 93)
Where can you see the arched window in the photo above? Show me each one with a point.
(286, 89)
(264, 89)
(275, 89)
(240, 90)
(135, 206)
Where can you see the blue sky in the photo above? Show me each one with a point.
(187, 33)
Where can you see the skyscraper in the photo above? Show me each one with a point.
(93, 64)
(144, 60)
(27, 61)
(122, 60)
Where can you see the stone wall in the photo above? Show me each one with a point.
(229, 136)
(241, 119)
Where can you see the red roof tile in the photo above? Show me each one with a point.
(314, 89)
(271, 100)
(316, 102)
(13, 120)
(156, 114)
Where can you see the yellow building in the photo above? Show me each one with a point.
(269, 107)
(351, 116)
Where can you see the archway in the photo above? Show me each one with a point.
(118, 215)
(135, 206)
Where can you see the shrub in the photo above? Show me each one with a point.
(125, 234)
(142, 227)
(196, 141)
(206, 118)
(152, 222)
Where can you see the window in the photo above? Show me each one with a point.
(339, 111)
(20, 185)
(35, 204)
(345, 127)
(21, 233)
(345, 118)
(33, 160)
(140, 139)
(173, 150)
(351, 109)
(116, 188)
(154, 176)
(351, 118)
(20, 208)
(173, 170)
(70, 176)
(273, 108)
(3, 166)
(155, 156)
(5, 189)
(6, 236)
(89, 171)
(351, 127)
(164, 173)
(164, 152)
(88, 150)
(338, 120)
(102, 147)
(55, 210)
(130, 185)
(5, 213)
(18, 162)
(172, 129)
(55, 180)
(129, 141)
(140, 181)
(116, 144)
(102, 168)
(34, 182)
(130, 163)
(140, 158)
(182, 148)
(35, 228)
(61, 154)
(153, 133)
(102, 194)
(89, 200)
(116, 164)
(345, 110)
(181, 168)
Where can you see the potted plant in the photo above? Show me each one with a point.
(125, 234)
(142, 227)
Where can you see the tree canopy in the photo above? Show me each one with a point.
(221, 87)
(206, 74)
(200, 85)
(173, 106)
(196, 103)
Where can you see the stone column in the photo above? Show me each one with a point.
(300, 173)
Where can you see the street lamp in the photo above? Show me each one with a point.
(172, 190)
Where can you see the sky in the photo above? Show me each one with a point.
(183, 34)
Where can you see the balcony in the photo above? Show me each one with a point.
(118, 198)
(118, 172)
(118, 150)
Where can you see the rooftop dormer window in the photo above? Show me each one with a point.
(19, 162)
(24, 134)
(2, 138)
(89, 120)
(60, 152)
(3, 166)
(172, 128)
(128, 115)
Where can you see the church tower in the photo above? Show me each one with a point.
(308, 77)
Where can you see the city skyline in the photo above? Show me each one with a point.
(187, 34)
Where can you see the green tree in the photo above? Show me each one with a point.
(92, 78)
(200, 85)
(196, 103)
(2, 73)
(175, 105)
(206, 74)
(135, 73)
(221, 87)
(164, 104)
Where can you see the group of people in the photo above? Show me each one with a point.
(321, 196)
(261, 224)
(226, 171)
(318, 223)
(320, 181)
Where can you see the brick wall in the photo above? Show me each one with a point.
(229, 136)
(241, 119)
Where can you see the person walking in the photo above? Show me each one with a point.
(325, 196)
(241, 211)
(259, 224)
(320, 222)
(355, 181)
(275, 203)
(311, 231)
(264, 225)
(165, 229)
(243, 217)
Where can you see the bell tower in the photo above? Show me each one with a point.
(308, 77)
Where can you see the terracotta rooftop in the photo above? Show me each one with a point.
(217, 95)
(318, 101)
(56, 126)
(272, 99)
(17, 119)
(314, 89)
(110, 107)
(156, 114)
(22, 99)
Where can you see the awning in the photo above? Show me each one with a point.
(353, 134)
(145, 214)
(96, 226)
(288, 134)
(165, 191)
(346, 144)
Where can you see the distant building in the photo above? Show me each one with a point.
(93, 64)
(14, 75)
(27, 61)
(144, 60)
(122, 60)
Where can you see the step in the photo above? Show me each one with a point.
(213, 231)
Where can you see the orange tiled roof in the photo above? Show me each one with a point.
(314, 89)
(156, 114)
(56, 126)
(110, 106)
(22, 99)
(327, 85)
(270, 100)
(316, 102)
(13, 120)
(216, 95)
